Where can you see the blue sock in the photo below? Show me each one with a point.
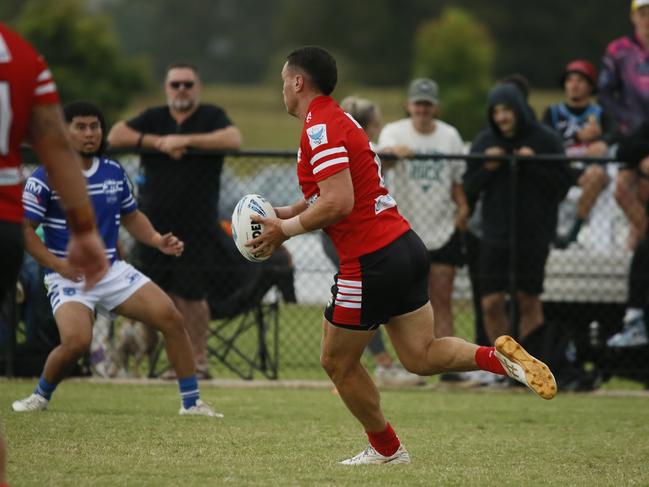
(189, 391)
(44, 388)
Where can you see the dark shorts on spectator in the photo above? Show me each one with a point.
(530, 267)
(451, 253)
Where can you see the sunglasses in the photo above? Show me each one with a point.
(188, 85)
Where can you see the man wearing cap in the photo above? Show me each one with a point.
(429, 191)
(586, 130)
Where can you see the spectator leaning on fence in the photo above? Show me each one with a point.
(624, 93)
(123, 289)
(382, 277)
(35, 116)
(586, 130)
(429, 192)
(541, 185)
(180, 193)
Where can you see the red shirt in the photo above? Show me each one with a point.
(331, 142)
(25, 81)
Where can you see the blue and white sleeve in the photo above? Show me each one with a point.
(129, 204)
(36, 196)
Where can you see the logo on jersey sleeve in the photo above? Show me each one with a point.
(383, 203)
(317, 135)
(33, 186)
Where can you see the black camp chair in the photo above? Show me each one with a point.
(244, 305)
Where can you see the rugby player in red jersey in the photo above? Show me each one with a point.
(383, 271)
(29, 109)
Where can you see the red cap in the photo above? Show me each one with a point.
(583, 67)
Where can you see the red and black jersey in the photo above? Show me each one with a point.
(332, 141)
(25, 81)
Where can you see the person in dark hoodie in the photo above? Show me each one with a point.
(541, 185)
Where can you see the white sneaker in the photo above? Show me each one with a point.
(633, 334)
(524, 368)
(35, 402)
(200, 409)
(371, 457)
(482, 378)
(396, 376)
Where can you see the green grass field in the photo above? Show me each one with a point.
(108, 434)
(300, 331)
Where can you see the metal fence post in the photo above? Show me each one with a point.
(513, 246)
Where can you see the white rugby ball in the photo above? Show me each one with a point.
(243, 229)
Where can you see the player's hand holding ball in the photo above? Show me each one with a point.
(255, 228)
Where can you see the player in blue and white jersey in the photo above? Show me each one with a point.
(124, 289)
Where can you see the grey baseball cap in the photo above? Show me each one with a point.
(423, 89)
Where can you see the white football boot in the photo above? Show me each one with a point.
(524, 368)
(371, 457)
(200, 409)
(35, 402)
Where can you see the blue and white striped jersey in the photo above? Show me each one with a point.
(109, 190)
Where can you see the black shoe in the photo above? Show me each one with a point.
(562, 242)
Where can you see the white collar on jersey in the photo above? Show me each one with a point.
(93, 168)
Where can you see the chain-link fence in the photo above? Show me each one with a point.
(267, 316)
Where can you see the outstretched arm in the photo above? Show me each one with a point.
(138, 225)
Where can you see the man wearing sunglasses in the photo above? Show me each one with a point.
(179, 191)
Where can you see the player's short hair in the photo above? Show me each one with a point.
(182, 65)
(319, 64)
(87, 109)
(361, 109)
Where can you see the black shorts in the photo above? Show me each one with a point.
(11, 255)
(190, 275)
(451, 253)
(388, 282)
(530, 267)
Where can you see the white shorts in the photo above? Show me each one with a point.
(122, 281)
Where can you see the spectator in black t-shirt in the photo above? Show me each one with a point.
(180, 192)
